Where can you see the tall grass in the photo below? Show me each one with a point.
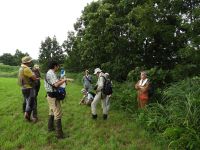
(177, 120)
(118, 132)
(8, 71)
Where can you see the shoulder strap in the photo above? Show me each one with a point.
(88, 79)
(49, 83)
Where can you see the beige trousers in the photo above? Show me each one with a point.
(54, 108)
(97, 98)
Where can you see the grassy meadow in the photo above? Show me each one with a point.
(118, 132)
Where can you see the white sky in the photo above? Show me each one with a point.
(25, 23)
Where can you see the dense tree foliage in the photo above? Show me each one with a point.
(12, 60)
(50, 50)
(119, 35)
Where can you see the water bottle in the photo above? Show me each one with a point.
(62, 76)
(62, 73)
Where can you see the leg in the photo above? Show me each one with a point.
(55, 108)
(26, 109)
(94, 103)
(104, 106)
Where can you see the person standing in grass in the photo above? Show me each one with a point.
(55, 111)
(142, 87)
(26, 78)
(36, 71)
(87, 81)
(99, 95)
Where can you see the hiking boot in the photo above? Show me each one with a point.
(34, 119)
(105, 116)
(27, 116)
(94, 117)
(59, 131)
(51, 123)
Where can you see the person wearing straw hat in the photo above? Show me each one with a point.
(99, 95)
(26, 78)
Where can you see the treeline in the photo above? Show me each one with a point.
(120, 35)
(12, 60)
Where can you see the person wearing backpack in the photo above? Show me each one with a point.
(99, 95)
(26, 80)
(55, 111)
(87, 81)
(142, 87)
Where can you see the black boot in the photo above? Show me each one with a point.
(59, 131)
(105, 116)
(51, 123)
(94, 117)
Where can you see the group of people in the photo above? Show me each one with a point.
(29, 80)
(92, 98)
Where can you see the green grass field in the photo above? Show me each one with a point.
(117, 133)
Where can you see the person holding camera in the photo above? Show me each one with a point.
(87, 81)
(55, 111)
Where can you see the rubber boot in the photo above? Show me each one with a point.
(27, 116)
(51, 123)
(94, 117)
(105, 116)
(59, 131)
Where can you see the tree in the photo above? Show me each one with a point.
(50, 50)
(18, 56)
(8, 59)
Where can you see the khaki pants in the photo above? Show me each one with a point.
(97, 98)
(54, 108)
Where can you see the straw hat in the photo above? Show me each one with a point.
(26, 59)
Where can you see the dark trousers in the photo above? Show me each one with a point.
(29, 100)
(37, 88)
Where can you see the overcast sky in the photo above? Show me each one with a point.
(25, 23)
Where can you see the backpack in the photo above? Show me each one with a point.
(107, 87)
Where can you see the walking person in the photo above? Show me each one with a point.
(26, 78)
(36, 71)
(99, 95)
(55, 110)
(87, 81)
(142, 87)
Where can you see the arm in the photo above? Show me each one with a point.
(59, 82)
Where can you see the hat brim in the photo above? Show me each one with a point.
(27, 61)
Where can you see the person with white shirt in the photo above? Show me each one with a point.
(99, 95)
(55, 110)
(142, 87)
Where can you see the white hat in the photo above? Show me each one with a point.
(97, 70)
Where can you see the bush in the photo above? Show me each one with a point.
(177, 120)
